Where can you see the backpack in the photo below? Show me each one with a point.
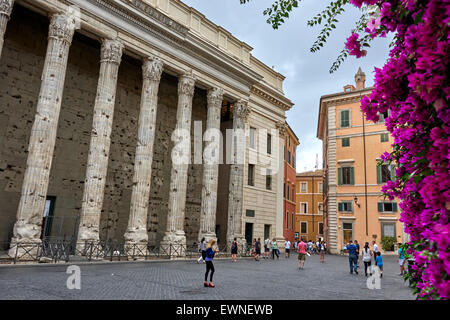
(234, 246)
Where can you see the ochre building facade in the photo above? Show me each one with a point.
(291, 143)
(91, 93)
(354, 206)
(309, 203)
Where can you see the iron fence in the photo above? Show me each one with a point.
(56, 251)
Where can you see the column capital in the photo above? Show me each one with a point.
(215, 96)
(111, 51)
(6, 7)
(281, 126)
(186, 84)
(62, 27)
(152, 68)
(241, 109)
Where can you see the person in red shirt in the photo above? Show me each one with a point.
(301, 249)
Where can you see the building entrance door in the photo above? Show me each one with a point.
(348, 232)
(249, 233)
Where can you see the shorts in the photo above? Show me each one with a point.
(381, 267)
(266, 249)
(401, 262)
(234, 251)
(258, 251)
(301, 256)
(287, 250)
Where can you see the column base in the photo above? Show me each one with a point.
(136, 242)
(242, 243)
(208, 236)
(88, 242)
(24, 249)
(173, 244)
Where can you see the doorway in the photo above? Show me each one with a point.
(249, 233)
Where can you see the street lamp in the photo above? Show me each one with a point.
(356, 201)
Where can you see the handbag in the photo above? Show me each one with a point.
(278, 251)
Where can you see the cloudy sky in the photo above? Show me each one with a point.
(287, 50)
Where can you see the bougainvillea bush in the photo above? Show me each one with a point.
(413, 88)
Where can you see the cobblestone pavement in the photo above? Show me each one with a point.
(245, 279)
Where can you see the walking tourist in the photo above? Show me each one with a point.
(234, 250)
(379, 263)
(209, 264)
(257, 249)
(322, 252)
(367, 258)
(401, 259)
(375, 251)
(351, 249)
(357, 253)
(318, 247)
(274, 249)
(287, 248)
(266, 248)
(202, 249)
(301, 249)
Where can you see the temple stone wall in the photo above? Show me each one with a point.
(20, 72)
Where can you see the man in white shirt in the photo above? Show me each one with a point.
(266, 248)
(287, 247)
(375, 250)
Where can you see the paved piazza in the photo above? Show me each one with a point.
(246, 279)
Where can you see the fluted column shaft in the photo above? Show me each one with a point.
(97, 165)
(181, 155)
(211, 165)
(241, 111)
(279, 237)
(137, 223)
(43, 133)
(5, 11)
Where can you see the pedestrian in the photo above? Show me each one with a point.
(301, 249)
(357, 253)
(310, 246)
(234, 250)
(317, 247)
(257, 249)
(253, 248)
(202, 249)
(322, 252)
(401, 259)
(367, 258)
(375, 251)
(274, 249)
(351, 249)
(379, 263)
(210, 252)
(266, 248)
(287, 248)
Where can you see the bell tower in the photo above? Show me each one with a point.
(360, 79)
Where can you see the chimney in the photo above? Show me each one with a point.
(360, 79)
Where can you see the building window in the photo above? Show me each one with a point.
(293, 221)
(320, 207)
(251, 174)
(289, 156)
(345, 118)
(303, 207)
(384, 137)
(287, 220)
(252, 137)
(288, 192)
(293, 162)
(267, 231)
(284, 190)
(250, 213)
(388, 230)
(345, 206)
(383, 116)
(384, 174)
(303, 227)
(293, 193)
(320, 227)
(387, 206)
(269, 144)
(346, 176)
(346, 142)
(303, 187)
(320, 187)
(268, 179)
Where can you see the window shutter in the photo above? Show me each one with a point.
(340, 206)
(351, 206)
(352, 179)
(380, 206)
(339, 176)
(378, 174)
(392, 170)
(394, 207)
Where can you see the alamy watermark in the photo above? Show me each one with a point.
(74, 280)
(374, 280)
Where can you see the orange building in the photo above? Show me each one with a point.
(354, 206)
(309, 200)
(290, 156)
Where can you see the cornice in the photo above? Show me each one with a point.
(283, 105)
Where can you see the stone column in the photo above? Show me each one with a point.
(181, 156)
(241, 110)
(211, 165)
(137, 224)
(110, 57)
(5, 11)
(43, 133)
(281, 126)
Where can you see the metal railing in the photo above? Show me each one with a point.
(69, 251)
